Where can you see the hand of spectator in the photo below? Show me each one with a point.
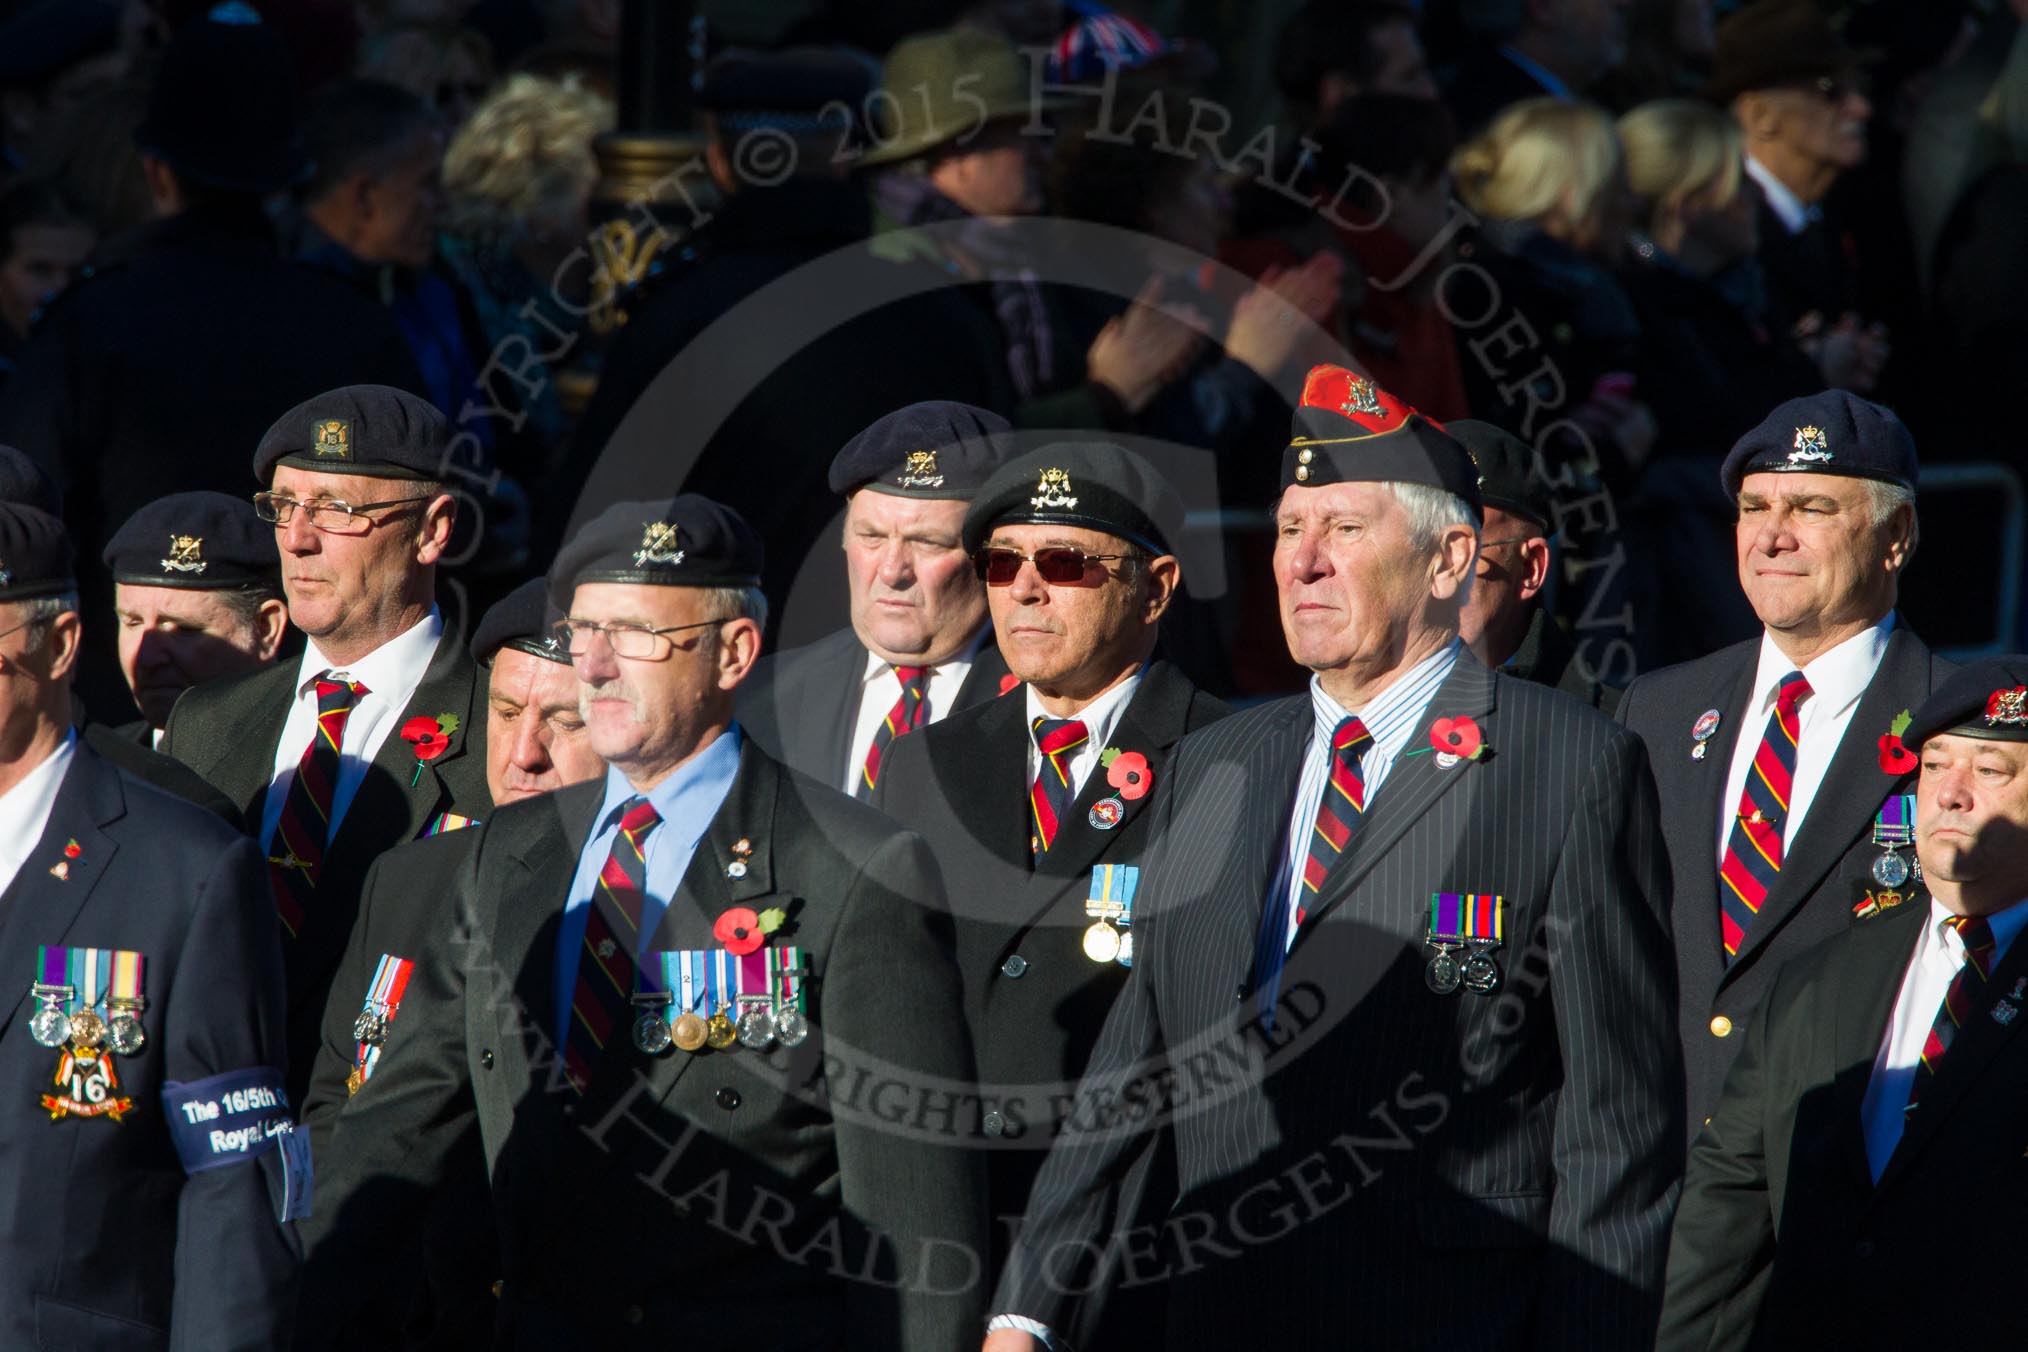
(1263, 334)
(1849, 357)
(1139, 352)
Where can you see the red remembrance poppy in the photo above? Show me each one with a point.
(1129, 773)
(1895, 759)
(739, 929)
(1009, 682)
(1459, 736)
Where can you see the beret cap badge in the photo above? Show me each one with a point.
(921, 471)
(1053, 489)
(1811, 446)
(2008, 708)
(186, 555)
(660, 543)
(331, 439)
(1362, 397)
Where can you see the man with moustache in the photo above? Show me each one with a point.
(1782, 783)
(1869, 1140)
(393, 1257)
(1401, 989)
(920, 644)
(368, 739)
(1036, 805)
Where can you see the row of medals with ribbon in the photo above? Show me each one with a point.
(1472, 925)
(702, 1001)
(1893, 832)
(55, 1023)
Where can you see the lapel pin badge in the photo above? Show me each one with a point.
(741, 850)
(61, 871)
(1701, 732)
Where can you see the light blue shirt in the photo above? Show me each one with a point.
(687, 801)
(1390, 718)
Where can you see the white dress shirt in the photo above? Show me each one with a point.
(25, 809)
(1938, 955)
(879, 689)
(1794, 214)
(1099, 717)
(1390, 717)
(1837, 680)
(390, 673)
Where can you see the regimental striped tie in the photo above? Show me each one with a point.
(1052, 793)
(605, 968)
(1959, 1002)
(910, 712)
(1339, 813)
(296, 850)
(1753, 848)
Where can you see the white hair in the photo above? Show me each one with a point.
(41, 612)
(1431, 512)
(1883, 499)
(740, 603)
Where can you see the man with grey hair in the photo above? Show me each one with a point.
(1530, 49)
(1400, 1010)
(144, 1037)
(1783, 782)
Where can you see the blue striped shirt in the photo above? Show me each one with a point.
(1390, 718)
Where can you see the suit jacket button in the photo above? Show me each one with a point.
(486, 1058)
(993, 1124)
(1721, 1026)
(1014, 966)
(728, 1098)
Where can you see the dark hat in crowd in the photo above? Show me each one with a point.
(1829, 433)
(43, 38)
(374, 430)
(1507, 477)
(223, 110)
(686, 541)
(35, 555)
(1349, 430)
(945, 85)
(201, 541)
(520, 620)
(800, 91)
(1772, 43)
(1095, 484)
(22, 481)
(1987, 698)
(938, 449)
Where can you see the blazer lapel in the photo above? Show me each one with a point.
(988, 677)
(40, 907)
(525, 924)
(989, 797)
(392, 790)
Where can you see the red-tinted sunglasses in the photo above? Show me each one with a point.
(1059, 566)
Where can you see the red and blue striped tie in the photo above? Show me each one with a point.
(1753, 848)
(296, 850)
(605, 968)
(1959, 1001)
(1339, 812)
(1052, 793)
(910, 712)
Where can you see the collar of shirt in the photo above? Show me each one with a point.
(396, 665)
(1837, 678)
(1535, 71)
(1099, 717)
(1794, 214)
(879, 668)
(26, 808)
(687, 801)
(1941, 938)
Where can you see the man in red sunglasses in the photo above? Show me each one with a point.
(1036, 805)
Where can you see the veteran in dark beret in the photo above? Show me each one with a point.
(197, 591)
(1038, 801)
(920, 644)
(1872, 1119)
(1419, 904)
(1783, 791)
(1504, 622)
(376, 733)
(142, 1043)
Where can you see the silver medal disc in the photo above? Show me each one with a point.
(123, 1033)
(1442, 974)
(1126, 954)
(651, 1033)
(1482, 974)
(790, 1026)
(370, 1028)
(50, 1026)
(1890, 869)
(756, 1027)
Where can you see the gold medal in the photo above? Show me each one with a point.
(720, 1033)
(354, 1081)
(1102, 942)
(87, 1030)
(689, 1032)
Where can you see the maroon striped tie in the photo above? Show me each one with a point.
(910, 712)
(1339, 810)
(1753, 847)
(1052, 793)
(296, 850)
(605, 968)
(1959, 1000)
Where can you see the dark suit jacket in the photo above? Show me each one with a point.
(227, 731)
(104, 1242)
(1784, 1240)
(1345, 1179)
(1825, 867)
(139, 758)
(801, 705)
(782, 1161)
(400, 1250)
(1033, 1001)
(1810, 272)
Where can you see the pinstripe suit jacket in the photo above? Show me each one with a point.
(1389, 1167)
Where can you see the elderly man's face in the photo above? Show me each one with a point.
(29, 670)
(648, 715)
(340, 585)
(1971, 813)
(1352, 582)
(172, 638)
(1075, 638)
(915, 599)
(1512, 564)
(1810, 555)
(1824, 122)
(535, 733)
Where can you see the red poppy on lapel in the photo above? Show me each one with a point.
(1896, 759)
(431, 738)
(1459, 737)
(739, 929)
(1009, 682)
(1128, 772)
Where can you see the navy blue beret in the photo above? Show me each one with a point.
(519, 620)
(1095, 484)
(200, 540)
(23, 481)
(35, 554)
(936, 449)
(374, 430)
(1829, 433)
(1987, 698)
(686, 541)
(1507, 477)
(1346, 429)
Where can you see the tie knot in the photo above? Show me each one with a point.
(910, 675)
(1057, 734)
(334, 694)
(1793, 687)
(1975, 930)
(637, 814)
(1350, 738)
